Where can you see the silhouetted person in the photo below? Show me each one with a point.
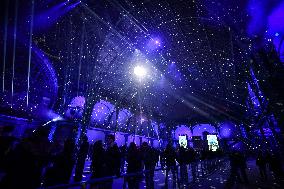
(156, 156)
(63, 163)
(204, 163)
(234, 174)
(22, 170)
(98, 165)
(123, 150)
(81, 158)
(41, 149)
(113, 159)
(90, 152)
(149, 163)
(171, 156)
(182, 160)
(134, 166)
(261, 162)
(193, 162)
(238, 166)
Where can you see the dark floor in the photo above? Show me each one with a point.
(216, 179)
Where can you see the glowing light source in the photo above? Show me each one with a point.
(212, 142)
(53, 120)
(140, 71)
(57, 119)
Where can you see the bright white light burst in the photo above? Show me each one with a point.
(140, 71)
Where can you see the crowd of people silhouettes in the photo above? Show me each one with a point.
(34, 162)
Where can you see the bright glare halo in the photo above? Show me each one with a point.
(140, 71)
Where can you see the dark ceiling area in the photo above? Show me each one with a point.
(198, 55)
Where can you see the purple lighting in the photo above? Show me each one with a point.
(94, 135)
(183, 130)
(161, 72)
(154, 44)
(101, 110)
(200, 128)
(119, 139)
(174, 73)
(76, 107)
(266, 20)
(47, 18)
(258, 21)
(135, 139)
(276, 19)
(227, 130)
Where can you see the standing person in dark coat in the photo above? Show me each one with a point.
(22, 167)
(193, 162)
(134, 166)
(98, 165)
(157, 154)
(113, 159)
(182, 160)
(63, 163)
(171, 156)
(234, 173)
(81, 158)
(123, 150)
(149, 163)
(238, 169)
